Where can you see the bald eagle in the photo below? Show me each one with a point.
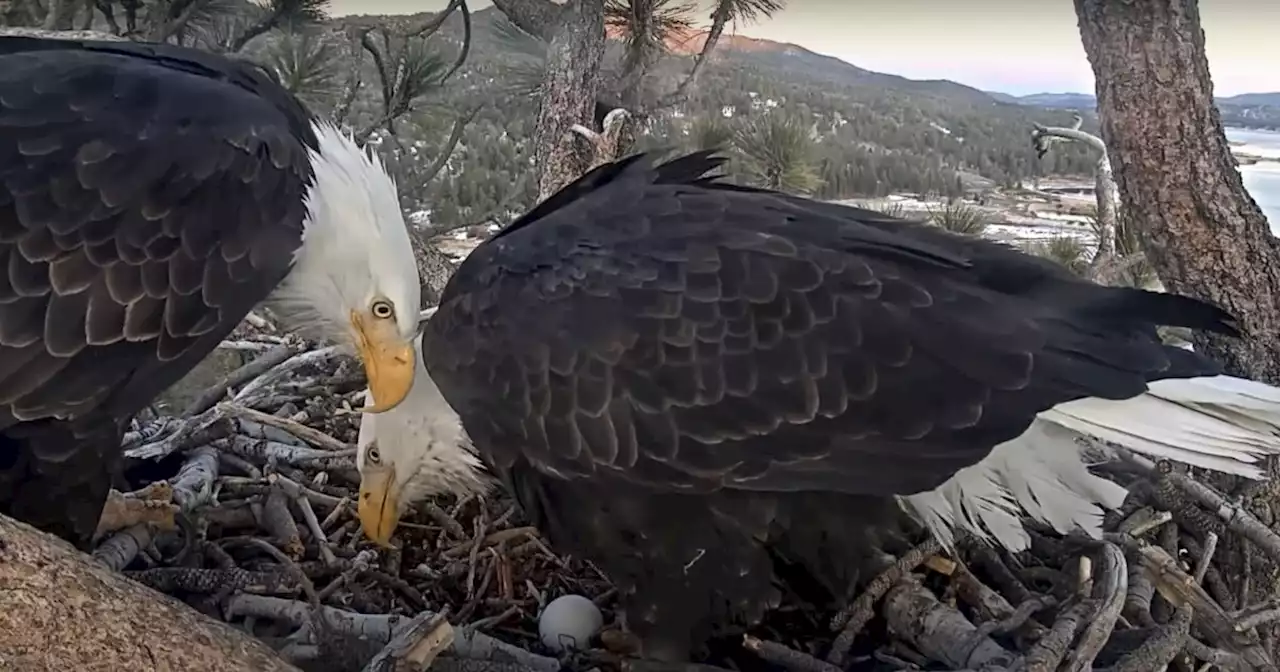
(692, 383)
(150, 196)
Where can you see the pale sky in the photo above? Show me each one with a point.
(1015, 46)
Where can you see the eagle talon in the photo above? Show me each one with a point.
(151, 505)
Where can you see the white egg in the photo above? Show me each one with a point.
(568, 622)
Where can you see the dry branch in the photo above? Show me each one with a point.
(1102, 266)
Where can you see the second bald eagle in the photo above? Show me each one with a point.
(687, 381)
(150, 196)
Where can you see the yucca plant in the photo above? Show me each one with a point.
(778, 149)
(1134, 270)
(713, 132)
(891, 209)
(1069, 251)
(960, 218)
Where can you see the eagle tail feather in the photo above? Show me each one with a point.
(1216, 422)
(1040, 474)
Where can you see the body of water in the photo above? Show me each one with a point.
(1262, 179)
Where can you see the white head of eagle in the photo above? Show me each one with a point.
(418, 449)
(355, 278)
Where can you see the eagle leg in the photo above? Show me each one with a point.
(56, 479)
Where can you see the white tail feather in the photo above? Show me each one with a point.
(1216, 422)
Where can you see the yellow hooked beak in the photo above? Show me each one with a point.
(388, 361)
(379, 507)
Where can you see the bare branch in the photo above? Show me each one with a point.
(442, 159)
(1106, 192)
(404, 76)
(725, 11)
(719, 18)
(605, 145)
(431, 25)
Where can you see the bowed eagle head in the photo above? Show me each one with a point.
(684, 380)
(150, 196)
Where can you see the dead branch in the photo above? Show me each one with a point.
(416, 643)
(1110, 585)
(939, 631)
(606, 144)
(1106, 192)
(853, 618)
(392, 60)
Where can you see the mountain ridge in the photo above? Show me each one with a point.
(1072, 99)
(690, 42)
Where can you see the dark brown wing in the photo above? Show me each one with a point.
(149, 197)
(689, 336)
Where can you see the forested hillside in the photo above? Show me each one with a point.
(852, 132)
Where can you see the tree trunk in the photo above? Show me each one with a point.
(60, 611)
(434, 268)
(1177, 178)
(568, 94)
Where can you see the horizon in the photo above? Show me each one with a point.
(972, 44)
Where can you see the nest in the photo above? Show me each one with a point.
(244, 507)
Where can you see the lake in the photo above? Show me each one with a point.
(1261, 179)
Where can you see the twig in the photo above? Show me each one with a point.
(260, 365)
(786, 657)
(853, 618)
(1159, 649)
(1206, 556)
(1110, 585)
(467, 642)
(416, 643)
(311, 436)
(939, 631)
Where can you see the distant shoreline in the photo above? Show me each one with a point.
(1239, 148)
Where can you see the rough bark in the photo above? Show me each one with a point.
(434, 269)
(60, 611)
(568, 94)
(575, 35)
(1178, 181)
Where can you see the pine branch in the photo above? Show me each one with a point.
(279, 12)
(403, 75)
